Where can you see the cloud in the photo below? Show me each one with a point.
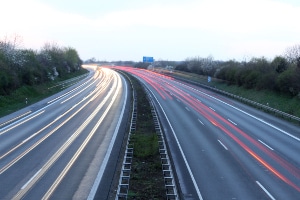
(37, 22)
(231, 15)
(221, 28)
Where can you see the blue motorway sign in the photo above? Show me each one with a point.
(148, 59)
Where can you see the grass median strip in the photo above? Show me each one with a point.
(146, 179)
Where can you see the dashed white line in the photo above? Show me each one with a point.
(222, 144)
(187, 108)
(178, 100)
(232, 122)
(266, 145)
(200, 121)
(212, 109)
(265, 190)
(181, 151)
(254, 117)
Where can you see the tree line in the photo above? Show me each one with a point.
(282, 74)
(19, 66)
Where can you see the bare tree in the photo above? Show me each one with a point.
(293, 55)
(11, 48)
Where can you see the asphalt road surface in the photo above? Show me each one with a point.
(223, 149)
(59, 148)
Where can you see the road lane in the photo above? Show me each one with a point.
(39, 154)
(205, 123)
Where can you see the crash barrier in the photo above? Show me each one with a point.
(123, 187)
(170, 184)
(70, 82)
(242, 99)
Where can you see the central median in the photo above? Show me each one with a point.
(146, 172)
(146, 178)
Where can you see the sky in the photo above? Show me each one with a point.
(173, 30)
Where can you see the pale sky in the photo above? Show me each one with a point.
(115, 30)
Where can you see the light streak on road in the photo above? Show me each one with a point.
(104, 95)
(227, 126)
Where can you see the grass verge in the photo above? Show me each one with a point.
(32, 94)
(285, 103)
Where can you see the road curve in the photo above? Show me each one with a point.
(223, 149)
(59, 148)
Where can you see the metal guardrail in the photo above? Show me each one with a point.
(70, 82)
(123, 187)
(242, 99)
(170, 184)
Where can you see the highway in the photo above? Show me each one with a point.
(59, 148)
(223, 149)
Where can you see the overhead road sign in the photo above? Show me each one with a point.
(148, 59)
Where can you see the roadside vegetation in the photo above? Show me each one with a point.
(273, 82)
(146, 179)
(281, 75)
(26, 74)
(279, 101)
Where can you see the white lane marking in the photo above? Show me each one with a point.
(198, 100)
(25, 185)
(222, 144)
(258, 119)
(66, 145)
(178, 100)
(22, 122)
(180, 149)
(232, 122)
(266, 145)
(265, 190)
(187, 108)
(109, 150)
(212, 109)
(34, 113)
(200, 121)
(15, 118)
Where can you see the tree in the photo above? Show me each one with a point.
(292, 54)
(289, 81)
(72, 59)
(202, 66)
(182, 67)
(25, 66)
(280, 64)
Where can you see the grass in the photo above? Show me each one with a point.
(285, 103)
(32, 94)
(146, 179)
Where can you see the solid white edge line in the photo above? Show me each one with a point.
(107, 155)
(25, 119)
(265, 190)
(222, 144)
(266, 145)
(30, 179)
(258, 119)
(181, 151)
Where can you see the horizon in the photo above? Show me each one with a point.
(165, 30)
